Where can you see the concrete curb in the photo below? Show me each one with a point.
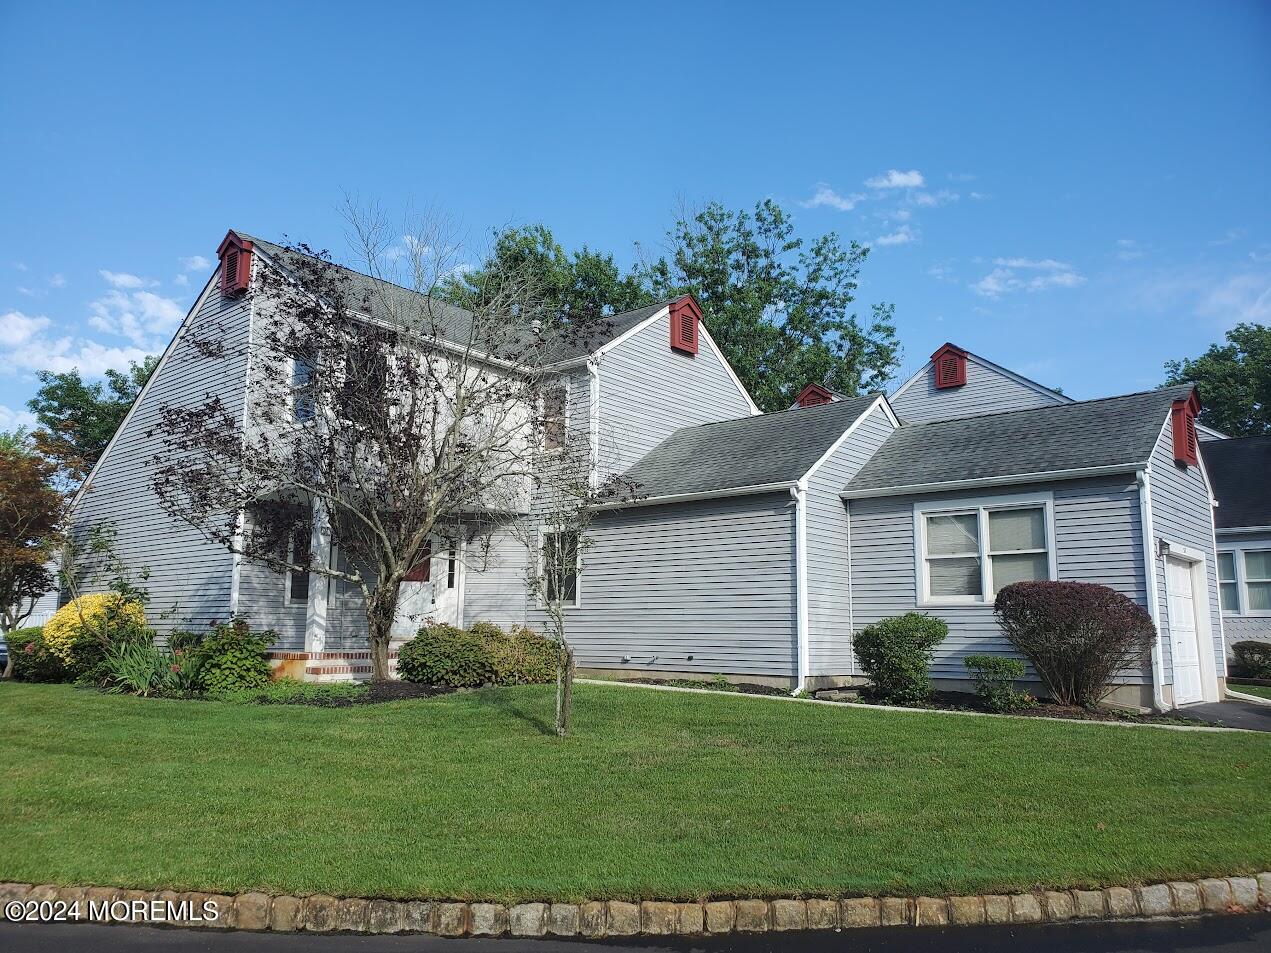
(1241, 696)
(910, 711)
(599, 918)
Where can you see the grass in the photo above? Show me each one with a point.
(656, 794)
(1262, 691)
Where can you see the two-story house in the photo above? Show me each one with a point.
(757, 544)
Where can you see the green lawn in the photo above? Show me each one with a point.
(1262, 691)
(657, 794)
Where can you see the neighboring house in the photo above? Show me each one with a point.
(1240, 468)
(759, 543)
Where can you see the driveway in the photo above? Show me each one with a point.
(1232, 713)
(1248, 933)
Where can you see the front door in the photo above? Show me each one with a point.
(429, 593)
(1182, 626)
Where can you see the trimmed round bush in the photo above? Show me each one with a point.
(482, 655)
(896, 654)
(1253, 659)
(1077, 635)
(80, 632)
(32, 660)
(995, 676)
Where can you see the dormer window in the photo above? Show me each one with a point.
(949, 363)
(236, 265)
(685, 316)
(1183, 430)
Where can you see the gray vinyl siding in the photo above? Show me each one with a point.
(648, 391)
(1098, 538)
(829, 594)
(189, 577)
(262, 601)
(705, 586)
(987, 391)
(1182, 513)
(1245, 628)
(494, 587)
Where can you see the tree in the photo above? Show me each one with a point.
(779, 309)
(31, 512)
(381, 419)
(1234, 381)
(77, 419)
(582, 285)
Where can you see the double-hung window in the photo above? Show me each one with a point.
(554, 420)
(1244, 581)
(559, 568)
(302, 408)
(967, 552)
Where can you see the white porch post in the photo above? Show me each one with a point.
(320, 554)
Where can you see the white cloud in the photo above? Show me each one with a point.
(57, 281)
(978, 196)
(942, 270)
(121, 279)
(145, 318)
(20, 265)
(826, 196)
(1128, 250)
(195, 263)
(17, 328)
(1046, 273)
(11, 419)
(1240, 298)
(961, 177)
(1230, 236)
(901, 236)
(64, 354)
(895, 179)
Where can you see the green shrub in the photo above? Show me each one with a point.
(32, 660)
(232, 657)
(994, 677)
(485, 654)
(138, 668)
(445, 655)
(896, 654)
(1253, 659)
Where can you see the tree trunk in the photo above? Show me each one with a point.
(379, 626)
(564, 689)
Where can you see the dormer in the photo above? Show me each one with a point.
(236, 265)
(813, 395)
(1183, 429)
(686, 314)
(949, 363)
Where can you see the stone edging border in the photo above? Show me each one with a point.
(598, 918)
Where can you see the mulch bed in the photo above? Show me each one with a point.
(398, 691)
(966, 701)
(742, 688)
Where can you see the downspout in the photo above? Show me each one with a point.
(1143, 479)
(593, 420)
(800, 494)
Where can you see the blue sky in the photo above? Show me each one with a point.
(1078, 191)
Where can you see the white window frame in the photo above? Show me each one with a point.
(294, 391)
(981, 506)
(563, 386)
(1242, 580)
(544, 531)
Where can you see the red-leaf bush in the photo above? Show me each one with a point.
(1078, 635)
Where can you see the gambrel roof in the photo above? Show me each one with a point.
(1240, 471)
(1110, 433)
(765, 450)
(454, 324)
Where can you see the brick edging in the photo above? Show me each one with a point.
(599, 918)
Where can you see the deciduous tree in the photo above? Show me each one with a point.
(1234, 380)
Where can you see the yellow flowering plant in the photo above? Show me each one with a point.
(93, 618)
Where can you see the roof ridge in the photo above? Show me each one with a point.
(1049, 407)
(786, 410)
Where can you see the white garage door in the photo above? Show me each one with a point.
(1182, 626)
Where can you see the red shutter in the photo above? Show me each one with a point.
(236, 265)
(685, 316)
(950, 366)
(1183, 431)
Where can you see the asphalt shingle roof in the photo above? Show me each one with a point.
(748, 451)
(453, 323)
(1093, 433)
(1240, 470)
